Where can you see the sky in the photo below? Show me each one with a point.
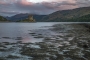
(42, 7)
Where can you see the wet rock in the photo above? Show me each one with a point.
(86, 55)
(19, 38)
(19, 42)
(39, 34)
(6, 43)
(2, 50)
(3, 46)
(2, 58)
(85, 46)
(6, 37)
(32, 33)
(39, 37)
(52, 47)
(12, 57)
(69, 35)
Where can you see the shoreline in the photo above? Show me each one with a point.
(63, 41)
(46, 22)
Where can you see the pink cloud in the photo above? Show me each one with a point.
(45, 7)
(25, 2)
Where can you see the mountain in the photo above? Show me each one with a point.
(2, 19)
(67, 15)
(73, 15)
(19, 17)
(39, 18)
(85, 18)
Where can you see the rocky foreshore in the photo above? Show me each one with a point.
(60, 42)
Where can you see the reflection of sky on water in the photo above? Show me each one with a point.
(32, 40)
(14, 30)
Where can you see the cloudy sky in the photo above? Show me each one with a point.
(12, 7)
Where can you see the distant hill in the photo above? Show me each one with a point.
(39, 18)
(74, 15)
(68, 15)
(19, 17)
(2, 19)
(85, 18)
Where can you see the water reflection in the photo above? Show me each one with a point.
(14, 30)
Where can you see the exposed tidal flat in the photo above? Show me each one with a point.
(52, 41)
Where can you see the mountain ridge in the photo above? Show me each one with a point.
(67, 14)
(19, 17)
(2, 19)
(58, 16)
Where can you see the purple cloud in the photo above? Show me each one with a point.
(12, 7)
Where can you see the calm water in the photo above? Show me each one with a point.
(14, 30)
